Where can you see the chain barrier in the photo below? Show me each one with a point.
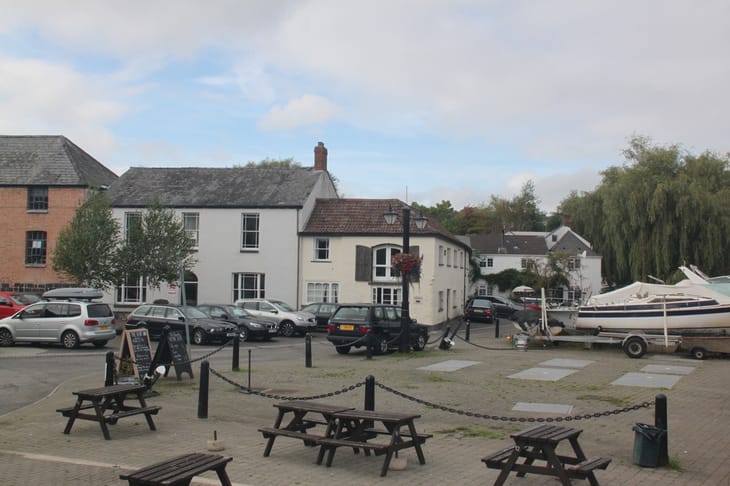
(284, 397)
(513, 419)
(480, 346)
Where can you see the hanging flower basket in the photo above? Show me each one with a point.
(407, 264)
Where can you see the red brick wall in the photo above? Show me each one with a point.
(15, 220)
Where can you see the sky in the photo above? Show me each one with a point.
(426, 101)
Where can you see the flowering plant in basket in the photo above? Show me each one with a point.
(407, 264)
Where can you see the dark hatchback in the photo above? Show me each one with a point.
(322, 312)
(357, 325)
(203, 329)
(478, 309)
(249, 326)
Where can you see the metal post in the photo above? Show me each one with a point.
(249, 370)
(308, 351)
(203, 393)
(369, 345)
(468, 330)
(661, 422)
(236, 345)
(109, 369)
(405, 318)
(496, 328)
(370, 392)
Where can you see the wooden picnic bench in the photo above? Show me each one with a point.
(305, 415)
(539, 444)
(109, 406)
(358, 428)
(179, 470)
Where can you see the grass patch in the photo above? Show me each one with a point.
(616, 401)
(467, 431)
(437, 379)
(675, 465)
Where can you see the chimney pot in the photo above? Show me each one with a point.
(320, 157)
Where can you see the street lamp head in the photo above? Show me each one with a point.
(421, 221)
(390, 215)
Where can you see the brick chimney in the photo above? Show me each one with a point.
(320, 157)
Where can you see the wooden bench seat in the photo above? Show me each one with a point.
(588, 466)
(269, 432)
(128, 413)
(497, 460)
(67, 410)
(354, 444)
(179, 470)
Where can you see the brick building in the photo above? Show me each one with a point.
(43, 180)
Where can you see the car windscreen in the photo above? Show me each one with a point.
(25, 299)
(193, 313)
(236, 311)
(352, 313)
(282, 306)
(481, 303)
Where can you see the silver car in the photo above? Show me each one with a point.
(70, 323)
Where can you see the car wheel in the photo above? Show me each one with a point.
(70, 340)
(100, 344)
(6, 337)
(697, 353)
(287, 329)
(381, 345)
(635, 347)
(343, 349)
(420, 343)
(199, 336)
(243, 334)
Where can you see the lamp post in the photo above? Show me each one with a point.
(405, 318)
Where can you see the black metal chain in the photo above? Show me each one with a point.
(513, 419)
(480, 346)
(284, 397)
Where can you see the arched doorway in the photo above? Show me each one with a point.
(191, 288)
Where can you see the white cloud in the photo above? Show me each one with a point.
(303, 111)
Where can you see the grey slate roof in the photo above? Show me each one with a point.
(364, 217)
(49, 160)
(512, 244)
(197, 187)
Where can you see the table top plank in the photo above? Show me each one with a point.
(377, 415)
(105, 391)
(307, 406)
(552, 434)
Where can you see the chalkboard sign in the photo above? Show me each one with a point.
(135, 356)
(172, 351)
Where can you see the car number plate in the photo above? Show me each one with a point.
(347, 327)
(103, 328)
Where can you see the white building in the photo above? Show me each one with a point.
(245, 222)
(521, 249)
(346, 249)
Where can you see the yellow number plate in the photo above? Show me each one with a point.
(347, 327)
(103, 328)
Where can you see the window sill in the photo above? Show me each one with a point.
(249, 250)
(35, 265)
(38, 211)
(322, 261)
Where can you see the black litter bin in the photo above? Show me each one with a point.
(647, 444)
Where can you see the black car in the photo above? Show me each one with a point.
(479, 309)
(322, 312)
(371, 324)
(249, 326)
(203, 329)
(503, 307)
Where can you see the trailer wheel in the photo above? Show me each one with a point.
(698, 353)
(634, 347)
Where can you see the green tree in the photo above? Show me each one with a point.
(287, 163)
(86, 248)
(155, 247)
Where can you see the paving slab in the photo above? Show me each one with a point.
(647, 380)
(566, 363)
(450, 365)
(672, 370)
(543, 374)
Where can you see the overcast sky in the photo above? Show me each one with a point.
(421, 100)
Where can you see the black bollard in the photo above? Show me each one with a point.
(249, 370)
(109, 369)
(203, 393)
(236, 346)
(370, 392)
(468, 330)
(496, 328)
(369, 346)
(661, 422)
(308, 351)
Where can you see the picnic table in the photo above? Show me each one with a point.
(539, 443)
(108, 404)
(180, 470)
(358, 429)
(305, 415)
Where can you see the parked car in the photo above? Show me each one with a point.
(322, 312)
(479, 309)
(379, 324)
(249, 326)
(12, 302)
(69, 321)
(503, 307)
(290, 322)
(203, 329)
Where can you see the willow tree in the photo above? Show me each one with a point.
(663, 208)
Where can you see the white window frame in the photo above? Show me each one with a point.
(482, 261)
(321, 249)
(382, 271)
(249, 285)
(482, 291)
(323, 292)
(36, 248)
(131, 217)
(448, 257)
(250, 231)
(132, 291)
(191, 222)
(490, 262)
(387, 295)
